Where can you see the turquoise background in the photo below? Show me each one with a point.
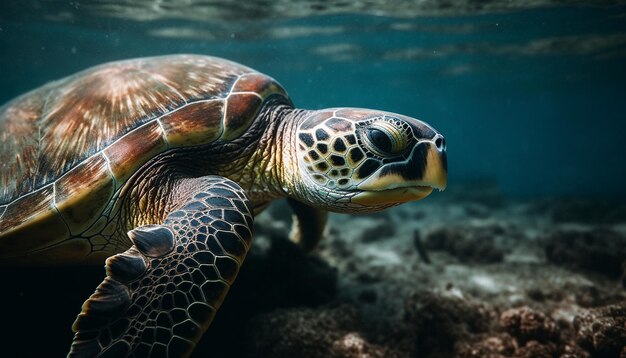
(534, 99)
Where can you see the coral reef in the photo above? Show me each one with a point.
(602, 330)
(528, 325)
(440, 321)
(304, 332)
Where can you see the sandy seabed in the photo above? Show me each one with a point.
(464, 273)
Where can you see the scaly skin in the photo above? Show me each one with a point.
(160, 296)
(261, 162)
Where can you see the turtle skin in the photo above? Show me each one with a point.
(160, 295)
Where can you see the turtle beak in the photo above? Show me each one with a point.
(412, 179)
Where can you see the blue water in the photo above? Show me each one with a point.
(534, 98)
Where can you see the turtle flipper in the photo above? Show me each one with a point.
(308, 224)
(160, 296)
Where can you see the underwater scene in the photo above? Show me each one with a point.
(479, 210)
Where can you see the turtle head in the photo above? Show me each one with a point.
(366, 160)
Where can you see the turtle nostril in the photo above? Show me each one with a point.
(440, 142)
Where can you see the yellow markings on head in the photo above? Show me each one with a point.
(376, 183)
(436, 174)
(391, 196)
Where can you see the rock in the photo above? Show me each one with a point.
(503, 345)
(527, 325)
(529, 334)
(311, 333)
(591, 296)
(599, 250)
(354, 345)
(534, 349)
(495, 346)
(573, 351)
(468, 243)
(440, 321)
(602, 330)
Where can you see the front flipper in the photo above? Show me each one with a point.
(308, 224)
(160, 296)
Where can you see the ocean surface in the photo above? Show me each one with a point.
(530, 95)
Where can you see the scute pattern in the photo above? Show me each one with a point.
(20, 139)
(327, 153)
(125, 113)
(166, 310)
(49, 131)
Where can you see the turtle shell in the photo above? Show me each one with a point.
(66, 148)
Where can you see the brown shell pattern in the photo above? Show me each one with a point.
(86, 134)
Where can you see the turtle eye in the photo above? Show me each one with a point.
(380, 139)
(385, 138)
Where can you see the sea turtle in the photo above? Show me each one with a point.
(157, 166)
